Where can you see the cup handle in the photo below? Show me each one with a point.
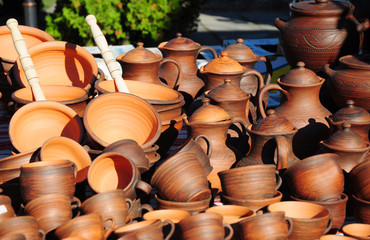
(145, 187)
(290, 222)
(145, 207)
(204, 48)
(129, 204)
(42, 234)
(330, 222)
(231, 231)
(76, 203)
(279, 181)
(172, 225)
(109, 230)
(209, 144)
(179, 69)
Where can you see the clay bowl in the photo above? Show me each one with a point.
(25, 225)
(335, 237)
(357, 230)
(36, 122)
(232, 213)
(59, 63)
(316, 178)
(254, 204)
(7, 209)
(74, 97)
(361, 210)
(193, 207)
(59, 148)
(16, 160)
(175, 215)
(116, 116)
(359, 177)
(9, 174)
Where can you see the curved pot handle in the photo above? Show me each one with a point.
(290, 222)
(179, 69)
(42, 234)
(205, 48)
(209, 144)
(145, 187)
(279, 181)
(282, 152)
(268, 64)
(172, 225)
(129, 204)
(328, 227)
(109, 230)
(261, 81)
(231, 231)
(262, 92)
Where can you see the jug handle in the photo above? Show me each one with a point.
(179, 75)
(282, 152)
(109, 230)
(268, 64)
(172, 225)
(205, 48)
(279, 180)
(209, 144)
(231, 231)
(263, 90)
(145, 187)
(328, 227)
(42, 234)
(261, 81)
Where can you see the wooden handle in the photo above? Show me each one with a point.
(26, 60)
(110, 61)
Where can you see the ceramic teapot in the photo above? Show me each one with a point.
(320, 32)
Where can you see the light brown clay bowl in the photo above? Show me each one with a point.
(115, 116)
(175, 215)
(357, 230)
(60, 63)
(193, 207)
(361, 210)
(359, 177)
(16, 160)
(335, 237)
(232, 213)
(36, 122)
(9, 174)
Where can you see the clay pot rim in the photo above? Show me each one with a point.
(261, 215)
(223, 122)
(178, 119)
(321, 12)
(343, 198)
(241, 169)
(222, 100)
(142, 62)
(360, 200)
(161, 47)
(13, 157)
(353, 65)
(161, 211)
(247, 214)
(351, 234)
(72, 222)
(346, 150)
(50, 196)
(321, 81)
(46, 164)
(172, 106)
(187, 204)
(249, 130)
(277, 195)
(18, 218)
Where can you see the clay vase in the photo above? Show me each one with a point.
(359, 177)
(361, 210)
(140, 64)
(317, 178)
(319, 32)
(349, 80)
(310, 221)
(25, 225)
(208, 225)
(270, 225)
(192, 207)
(232, 213)
(359, 231)
(213, 122)
(89, 226)
(302, 107)
(46, 177)
(349, 145)
(110, 171)
(7, 210)
(181, 178)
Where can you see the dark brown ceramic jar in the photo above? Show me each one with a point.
(319, 32)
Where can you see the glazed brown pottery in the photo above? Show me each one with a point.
(185, 51)
(115, 116)
(140, 64)
(317, 178)
(359, 231)
(146, 230)
(257, 182)
(360, 180)
(193, 207)
(271, 225)
(181, 178)
(90, 226)
(361, 210)
(111, 171)
(320, 32)
(6, 208)
(46, 177)
(302, 107)
(232, 213)
(110, 204)
(350, 80)
(208, 225)
(25, 225)
(335, 237)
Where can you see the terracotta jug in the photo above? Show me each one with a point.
(141, 64)
(185, 51)
(302, 107)
(319, 32)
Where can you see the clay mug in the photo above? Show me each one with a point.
(270, 225)
(90, 226)
(361, 210)
(110, 204)
(208, 225)
(310, 220)
(45, 177)
(111, 171)
(359, 177)
(181, 178)
(232, 213)
(257, 181)
(137, 210)
(359, 231)
(6, 208)
(25, 225)
(193, 207)
(146, 230)
(52, 210)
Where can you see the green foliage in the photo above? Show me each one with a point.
(123, 21)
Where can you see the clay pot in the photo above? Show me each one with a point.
(349, 80)
(89, 226)
(140, 64)
(46, 177)
(36, 122)
(335, 237)
(339, 33)
(185, 51)
(232, 213)
(357, 230)
(253, 204)
(175, 215)
(110, 171)
(361, 210)
(271, 225)
(301, 88)
(317, 178)
(208, 225)
(59, 148)
(110, 204)
(115, 116)
(181, 178)
(193, 207)
(360, 180)
(25, 225)
(7, 208)
(257, 182)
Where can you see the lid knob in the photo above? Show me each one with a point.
(178, 35)
(300, 65)
(205, 101)
(224, 54)
(140, 44)
(271, 112)
(240, 40)
(350, 103)
(227, 81)
(346, 125)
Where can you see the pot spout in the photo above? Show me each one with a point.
(280, 24)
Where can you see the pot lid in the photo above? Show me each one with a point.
(346, 138)
(209, 113)
(301, 76)
(139, 55)
(240, 52)
(228, 92)
(224, 65)
(360, 61)
(180, 43)
(352, 114)
(321, 7)
(273, 123)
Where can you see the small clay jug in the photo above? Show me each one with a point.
(140, 64)
(302, 107)
(185, 51)
(6, 208)
(25, 225)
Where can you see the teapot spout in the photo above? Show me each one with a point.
(280, 24)
(328, 70)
